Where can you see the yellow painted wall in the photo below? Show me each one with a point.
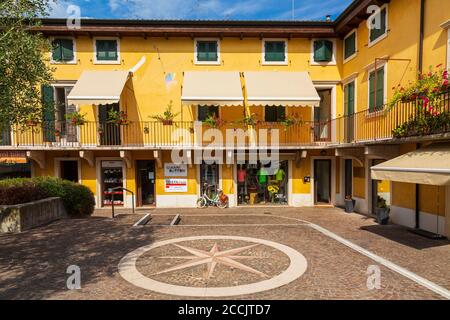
(359, 182)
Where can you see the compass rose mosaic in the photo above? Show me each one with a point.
(212, 266)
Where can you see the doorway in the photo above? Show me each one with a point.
(109, 132)
(348, 182)
(322, 182)
(209, 178)
(145, 183)
(322, 116)
(69, 170)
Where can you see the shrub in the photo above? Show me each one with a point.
(78, 200)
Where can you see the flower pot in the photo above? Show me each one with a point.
(382, 215)
(167, 122)
(350, 205)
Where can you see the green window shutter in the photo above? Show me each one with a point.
(375, 33)
(350, 45)
(372, 92)
(349, 99)
(275, 51)
(323, 51)
(67, 49)
(48, 113)
(207, 51)
(56, 50)
(380, 89)
(106, 50)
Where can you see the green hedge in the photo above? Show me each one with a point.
(78, 200)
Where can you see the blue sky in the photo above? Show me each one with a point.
(202, 9)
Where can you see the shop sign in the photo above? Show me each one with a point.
(175, 170)
(13, 157)
(176, 185)
(112, 164)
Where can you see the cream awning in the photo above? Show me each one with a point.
(212, 88)
(430, 165)
(98, 87)
(275, 88)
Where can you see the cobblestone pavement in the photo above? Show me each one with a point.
(33, 264)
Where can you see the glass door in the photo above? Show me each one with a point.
(109, 132)
(146, 183)
(112, 178)
(209, 178)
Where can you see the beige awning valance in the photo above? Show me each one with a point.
(212, 88)
(98, 87)
(430, 165)
(294, 89)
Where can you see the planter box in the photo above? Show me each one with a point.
(21, 217)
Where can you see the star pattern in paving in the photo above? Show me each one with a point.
(212, 259)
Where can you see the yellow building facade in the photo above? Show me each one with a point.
(116, 76)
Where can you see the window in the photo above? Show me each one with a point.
(379, 26)
(350, 46)
(107, 51)
(63, 50)
(376, 92)
(349, 98)
(275, 52)
(207, 52)
(322, 52)
(274, 114)
(205, 111)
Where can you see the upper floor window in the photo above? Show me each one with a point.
(377, 89)
(378, 26)
(63, 50)
(323, 51)
(107, 50)
(274, 52)
(274, 114)
(207, 52)
(207, 111)
(350, 46)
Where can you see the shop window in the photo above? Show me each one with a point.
(260, 184)
(112, 178)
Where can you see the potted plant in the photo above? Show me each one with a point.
(290, 121)
(168, 116)
(213, 121)
(382, 211)
(350, 204)
(250, 120)
(76, 118)
(119, 118)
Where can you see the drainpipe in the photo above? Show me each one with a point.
(420, 67)
(418, 200)
(422, 34)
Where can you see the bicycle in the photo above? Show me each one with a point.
(219, 200)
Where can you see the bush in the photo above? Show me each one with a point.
(78, 200)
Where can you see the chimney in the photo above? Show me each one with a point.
(328, 18)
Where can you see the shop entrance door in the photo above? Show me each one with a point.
(209, 179)
(112, 178)
(322, 182)
(145, 178)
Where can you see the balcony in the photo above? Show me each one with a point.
(404, 120)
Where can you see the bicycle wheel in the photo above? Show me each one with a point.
(222, 205)
(201, 203)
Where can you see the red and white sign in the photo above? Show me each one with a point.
(176, 185)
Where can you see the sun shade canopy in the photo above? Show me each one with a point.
(294, 89)
(98, 87)
(430, 165)
(212, 88)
